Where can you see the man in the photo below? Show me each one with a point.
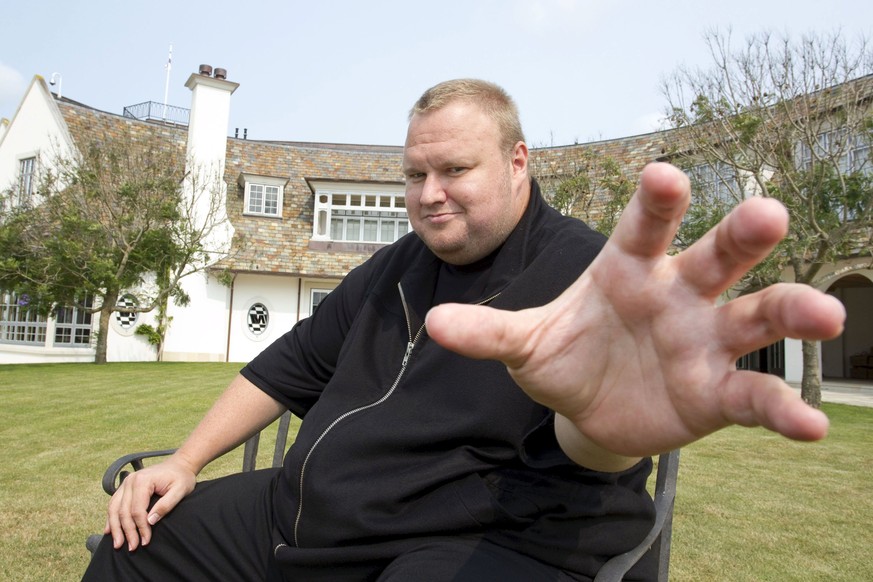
(416, 463)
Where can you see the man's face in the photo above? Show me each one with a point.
(464, 193)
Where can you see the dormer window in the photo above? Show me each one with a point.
(359, 213)
(263, 195)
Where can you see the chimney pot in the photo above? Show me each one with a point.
(220, 73)
(206, 70)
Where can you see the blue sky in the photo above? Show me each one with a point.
(347, 71)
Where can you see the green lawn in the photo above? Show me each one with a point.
(751, 505)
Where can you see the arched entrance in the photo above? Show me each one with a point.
(770, 359)
(851, 354)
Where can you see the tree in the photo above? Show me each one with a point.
(790, 120)
(121, 214)
(590, 185)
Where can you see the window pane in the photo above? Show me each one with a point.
(271, 201)
(73, 325)
(353, 229)
(387, 233)
(256, 198)
(371, 227)
(317, 297)
(19, 320)
(336, 228)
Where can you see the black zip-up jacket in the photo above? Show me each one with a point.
(404, 441)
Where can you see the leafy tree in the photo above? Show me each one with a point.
(590, 185)
(792, 120)
(121, 214)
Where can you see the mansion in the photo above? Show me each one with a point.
(308, 213)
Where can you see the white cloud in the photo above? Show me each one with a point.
(12, 87)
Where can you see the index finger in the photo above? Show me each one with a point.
(651, 219)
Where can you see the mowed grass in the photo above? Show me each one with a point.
(751, 505)
(61, 425)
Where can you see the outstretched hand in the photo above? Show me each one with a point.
(636, 354)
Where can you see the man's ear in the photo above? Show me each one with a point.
(519, 159)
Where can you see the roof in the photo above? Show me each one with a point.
(282, 246)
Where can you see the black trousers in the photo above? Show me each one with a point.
(223, 531)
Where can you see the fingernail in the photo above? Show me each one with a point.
(153, 518)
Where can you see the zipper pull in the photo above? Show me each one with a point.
(408, 353)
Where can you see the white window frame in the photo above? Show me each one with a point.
(25, 186)
(18, 323)
(319, 294)
(259, 190)
(75, 327)
(853, 157)
(359, 213)
(718, 180)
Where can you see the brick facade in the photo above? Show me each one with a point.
(282, 246)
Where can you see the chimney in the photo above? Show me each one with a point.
(220, 73)
(210, 116)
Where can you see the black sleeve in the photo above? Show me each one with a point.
(295, 368)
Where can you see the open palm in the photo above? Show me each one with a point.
(636, 353)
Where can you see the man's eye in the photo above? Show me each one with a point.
(457, 170)
(415, 177)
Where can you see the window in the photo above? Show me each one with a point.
(19, 321)
(716, 181)
(368, 214)
(316, 296)
(126, 320)
(26, 169)
(851, 153)
(73, 325)
(258, 319)
(263, 195)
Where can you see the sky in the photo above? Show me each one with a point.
(348, 71)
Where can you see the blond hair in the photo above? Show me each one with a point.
(491, 98)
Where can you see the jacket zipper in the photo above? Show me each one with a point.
(413, 338)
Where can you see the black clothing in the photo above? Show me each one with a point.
(412, 463)
(405, 443)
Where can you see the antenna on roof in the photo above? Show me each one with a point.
(168, 66)
(57, 78)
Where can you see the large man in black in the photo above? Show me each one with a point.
(469, 475)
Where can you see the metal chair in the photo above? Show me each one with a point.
(122, 467)
(660, 535)
(613, 570)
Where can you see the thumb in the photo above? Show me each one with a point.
(166, 504)
(480, 332)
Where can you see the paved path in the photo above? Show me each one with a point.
(845, 391)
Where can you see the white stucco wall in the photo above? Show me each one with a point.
(287, 300)
(279, 295)
(36, 130)
(198, 331)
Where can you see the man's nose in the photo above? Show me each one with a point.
(432, 191)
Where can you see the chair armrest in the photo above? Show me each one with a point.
(116, 472)
(665, 495)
